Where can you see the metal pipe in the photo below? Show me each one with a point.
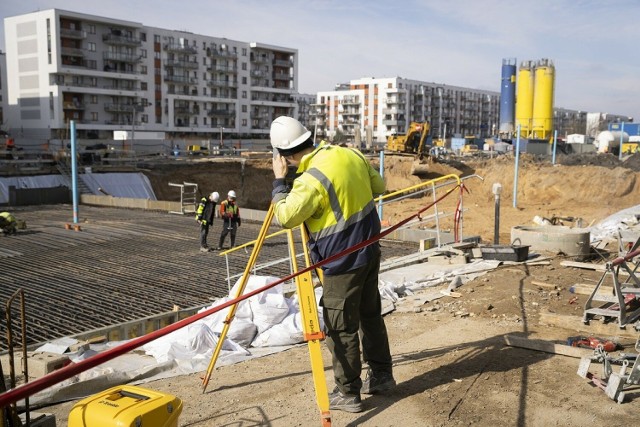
(74, 172)
(555, 140)
(515, 178)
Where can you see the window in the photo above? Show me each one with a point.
(244, 66)
(143, 53)
(144, 118)
(244, 108)
(244, 51)
(156, 55)
(143, 37)
(92, 29)
(156, 38)
(93, 99)
(143, 69)
(91, 46)
(244, 94)
(244, 80)
(94, 116)
(244, 122)
(143, 86)
(93, 82)
(204, 121)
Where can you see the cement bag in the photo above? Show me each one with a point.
(269, 307)
(242, 331)
(288, 332)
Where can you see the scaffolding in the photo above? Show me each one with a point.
(188, 197)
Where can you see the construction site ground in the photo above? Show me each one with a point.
(451, 362)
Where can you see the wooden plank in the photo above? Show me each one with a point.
(545, 285)
(585, 265)
(595, 327)
(587, 289)
(547, 346)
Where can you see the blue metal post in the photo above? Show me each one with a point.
(621, 135)
(555, 141)
(74, 173)
(382, 175)
(515, 178)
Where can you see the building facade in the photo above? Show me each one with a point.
(115, 75)
(378, 107)
(3, 90)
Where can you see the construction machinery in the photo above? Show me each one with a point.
(411, 142)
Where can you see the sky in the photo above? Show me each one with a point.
(592, 44)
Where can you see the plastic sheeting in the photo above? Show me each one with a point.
(608, 228)
(133, 185)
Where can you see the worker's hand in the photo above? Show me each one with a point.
(279, 166)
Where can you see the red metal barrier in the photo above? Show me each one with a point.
(62, 374)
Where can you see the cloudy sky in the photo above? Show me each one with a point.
(593, 44)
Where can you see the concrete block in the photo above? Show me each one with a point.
(427, 243)
(40, 364)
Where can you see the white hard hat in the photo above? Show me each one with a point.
(287, 133)
(214, 196)
(231, 193)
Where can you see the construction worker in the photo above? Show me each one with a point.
(333, 197)
(7, 223)
(204, 215)
(230, 214)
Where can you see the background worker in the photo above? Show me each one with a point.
(204, 215)
(333, 196)
(230, 214)
(8, 223)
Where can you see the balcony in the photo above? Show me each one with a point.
(123, 108)
(215, 53)
(283, 63)
(282, 76)
(221, 113)
(122, 57)
(223, 69)
(350, 100)
(175, 47)
(351, 112)
(317, 113)
(390, 111)
(257, 59)
(393, 122)
(192, 65)
(186, 111)
(73, 105)
(68, 33)
(394, 100)
(181, 79)
(72, 51)
(221, 83)
(120, 40)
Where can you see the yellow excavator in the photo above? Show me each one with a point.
(411, 142)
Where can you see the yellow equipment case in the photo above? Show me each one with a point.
(126, 406)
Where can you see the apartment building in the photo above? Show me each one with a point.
(379, 107)
(116, 75)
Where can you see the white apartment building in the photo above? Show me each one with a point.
(384, 106)
(111, 74)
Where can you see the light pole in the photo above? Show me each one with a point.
(221, 143)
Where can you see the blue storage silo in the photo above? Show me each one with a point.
(507, 96)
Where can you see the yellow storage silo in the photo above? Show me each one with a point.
(542, 124)
(524, 97)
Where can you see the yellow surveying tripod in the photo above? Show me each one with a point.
(308, 311)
